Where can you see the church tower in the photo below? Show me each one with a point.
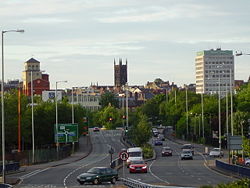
(120, 73)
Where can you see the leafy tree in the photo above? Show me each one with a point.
(142, 131)
(107, 99)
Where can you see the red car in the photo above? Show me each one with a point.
(96, 129)
(138, 166)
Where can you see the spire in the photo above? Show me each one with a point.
(126, 61)
(114, 61)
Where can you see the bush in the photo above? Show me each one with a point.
(243, 183)
(147, 151)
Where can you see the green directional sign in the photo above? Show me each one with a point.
(66, 133)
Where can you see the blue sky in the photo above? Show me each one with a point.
(77, 40)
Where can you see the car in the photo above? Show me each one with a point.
(216, 152)
(247, 162)
(186, 154)
(161, 137)
(138, 166)
(158, 142)
(188, 147)
(97, 175)
(96, 129)
(166, 151)
(155, 132)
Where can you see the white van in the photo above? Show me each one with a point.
(135, 154)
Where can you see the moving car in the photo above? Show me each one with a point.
(188, 147)
(158, 142)
(135, 154)
(247, 162)
(161, 137)
(186, 154)
(216, 152)
(138, 166)
(96, 129)
(96, 175)
(155, 132)
(166, 151)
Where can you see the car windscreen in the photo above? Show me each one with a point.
(94, 171)
(135, 154)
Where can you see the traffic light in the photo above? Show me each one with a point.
(110, 118)
(123, 117)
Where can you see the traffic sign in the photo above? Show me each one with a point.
(123, 155)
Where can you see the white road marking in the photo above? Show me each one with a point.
(155, 175)
(32, 174)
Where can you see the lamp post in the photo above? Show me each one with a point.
(187, 112)
(127, 105)
(2, 100)
(72, 102)
(219, 95)
(202, 116)
(32, 117)
(57, 144)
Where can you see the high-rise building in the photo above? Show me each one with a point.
(120, 72)
(214, 68)
(40, 81)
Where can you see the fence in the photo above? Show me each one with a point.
(239, 170)
(41, 155)
(11, 167)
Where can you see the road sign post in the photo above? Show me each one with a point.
(123, 156)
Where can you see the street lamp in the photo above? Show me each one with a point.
(187, 111)
(72, 102)
(2, 100)
(127, 106)
(57, 144)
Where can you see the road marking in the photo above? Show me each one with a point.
(155, 175)
(32, 174)
(72, 172)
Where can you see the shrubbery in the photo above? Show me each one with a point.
(243, 183)
(147, 151)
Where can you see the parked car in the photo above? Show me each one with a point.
(158, 142)
(96, 129)
(138, 166)
(247, 162)
(188, 147)
(166, 151)
(216, 152)
(186, 154)
(96, 175)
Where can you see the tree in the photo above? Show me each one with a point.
(107, 99)
(141, 133)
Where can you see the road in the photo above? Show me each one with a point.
(174, 171)
(162, 171)
(65, 175)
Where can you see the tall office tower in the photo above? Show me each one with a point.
(214, 68)
(120, 71)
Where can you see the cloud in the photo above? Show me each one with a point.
(48, 20)
(159, 13)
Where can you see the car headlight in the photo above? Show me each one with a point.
(144, 167)
(132, 167)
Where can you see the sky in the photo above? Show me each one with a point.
(78, 40)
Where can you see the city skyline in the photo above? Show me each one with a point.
(78, 40)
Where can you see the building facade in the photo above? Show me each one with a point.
(214, 71)
(40, 81)
(120, 73)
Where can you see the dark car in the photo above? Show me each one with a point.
(166, 151)
(98, 175)
(96, 129)
(158, 143)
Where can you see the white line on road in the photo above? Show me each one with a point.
(155, 175)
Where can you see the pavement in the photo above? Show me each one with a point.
(85, 148)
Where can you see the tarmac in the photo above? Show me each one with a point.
(85, 148)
